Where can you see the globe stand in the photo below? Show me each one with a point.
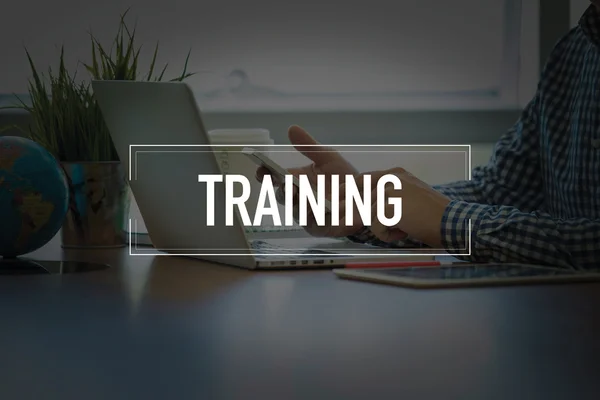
(24, 266)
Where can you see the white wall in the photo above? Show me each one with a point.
(183, 23)
(308, 55)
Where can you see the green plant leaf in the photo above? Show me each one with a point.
(153, 63)
(160, 77)
(65, 116)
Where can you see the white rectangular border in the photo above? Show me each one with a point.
(252, 254)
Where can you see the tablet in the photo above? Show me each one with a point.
(467, 274)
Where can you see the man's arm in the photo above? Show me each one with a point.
(512, 176)
(507, 234)
(503, 203)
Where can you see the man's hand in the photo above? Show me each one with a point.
(325, 161)
(422, 206)
(422, 210)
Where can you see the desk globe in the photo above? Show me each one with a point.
(34, 196)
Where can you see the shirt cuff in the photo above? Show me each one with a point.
(365, 236)
(455, 225)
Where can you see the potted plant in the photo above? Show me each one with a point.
(66, 119)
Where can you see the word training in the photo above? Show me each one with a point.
(325, 211)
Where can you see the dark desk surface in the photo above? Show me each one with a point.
(175, 328)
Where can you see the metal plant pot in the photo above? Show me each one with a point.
(99, 200)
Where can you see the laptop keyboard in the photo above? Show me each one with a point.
(267, 248)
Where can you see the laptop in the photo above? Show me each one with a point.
(157, 129)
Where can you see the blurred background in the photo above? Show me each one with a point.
(383, 71)
(376, 72)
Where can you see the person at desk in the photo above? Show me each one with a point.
(537, 200)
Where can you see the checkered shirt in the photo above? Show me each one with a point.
(537, 201)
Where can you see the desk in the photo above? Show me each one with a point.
(176, 328)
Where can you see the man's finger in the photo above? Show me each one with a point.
(261, 172)
(360, 180)
(309, 147)
(300, 171)
(376, 175)
(382, 232)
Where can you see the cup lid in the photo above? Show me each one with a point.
(240, 136)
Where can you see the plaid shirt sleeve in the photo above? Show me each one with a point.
(512, 176)
(536, 201)
(507, 234)
(499, 182)
(502, 201)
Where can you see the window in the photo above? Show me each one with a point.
(273, 55)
